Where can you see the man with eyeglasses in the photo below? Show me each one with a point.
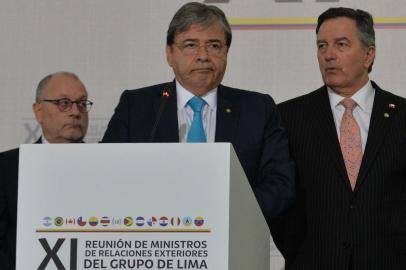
(195, 107)
(61, 108)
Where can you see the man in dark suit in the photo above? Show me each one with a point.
(348, 139)
(61, 122)
(198, 41)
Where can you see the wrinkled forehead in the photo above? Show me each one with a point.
(213, 31)
(337, 25)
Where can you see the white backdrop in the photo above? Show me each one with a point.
(115, 45)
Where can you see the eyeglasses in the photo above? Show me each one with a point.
(192, 48)
(65, 104)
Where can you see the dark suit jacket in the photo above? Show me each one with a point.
(8, 207)
(331, 227)
(248, 120)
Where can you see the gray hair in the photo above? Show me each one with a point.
(42, 85)
(200, 14)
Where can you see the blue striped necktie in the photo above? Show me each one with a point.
(196, 131)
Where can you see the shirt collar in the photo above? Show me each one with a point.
(184, 95)
(44, 140)
(364, 97)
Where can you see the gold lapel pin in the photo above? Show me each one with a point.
(386, 115)
(228, 110)
(392, 106)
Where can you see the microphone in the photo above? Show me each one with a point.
(165, 94)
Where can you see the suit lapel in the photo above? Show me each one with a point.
(168, 129)
(324, 127)
(378, 129)
(227, 115)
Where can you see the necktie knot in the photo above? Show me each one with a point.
(349, 104)
(196, 103)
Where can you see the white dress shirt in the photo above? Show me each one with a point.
(43, 139)
(185, 113)
(362, 113)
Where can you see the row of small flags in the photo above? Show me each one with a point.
(126, 221)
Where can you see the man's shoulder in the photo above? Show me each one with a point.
(152, 90)
(237, 92)
(145, 97)
(8, 164)
(13, 154)
(388, 95)
(245, 97)
(9, 154)
(303, 100)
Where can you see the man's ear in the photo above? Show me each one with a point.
(37, 109)
(370, 56)
(169, 55)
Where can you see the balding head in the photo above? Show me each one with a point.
(60, 126)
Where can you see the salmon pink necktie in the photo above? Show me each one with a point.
(350, 141)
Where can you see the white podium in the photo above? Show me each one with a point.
(137, 206)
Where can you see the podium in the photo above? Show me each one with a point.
(137, 206)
